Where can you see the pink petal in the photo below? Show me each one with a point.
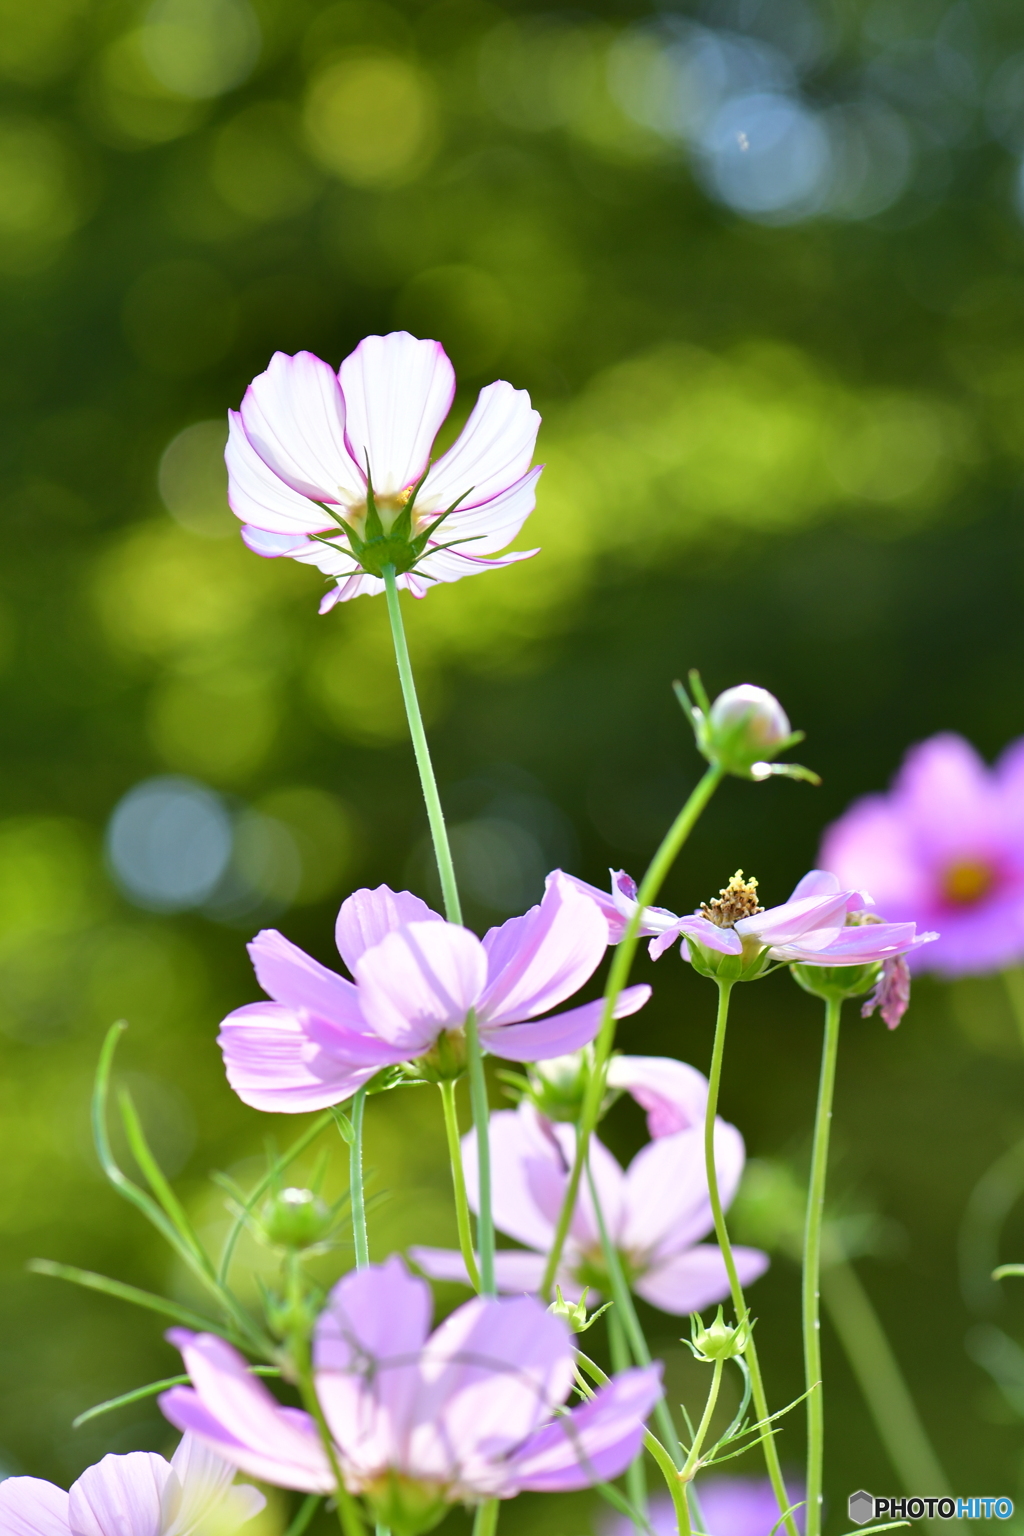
(398, 390)
(667, 1201)
(372, 1313)
(674, 1094)
(690, 1281)
(548, 1179)
(29, 1506)
(274, 1064)
(562, 1032)
(861, 945)
(518, 1138)
(491, 453)
(232, 1410)
(516, 1272)
(452, 564)
(871, 845)
(367, 916)
(294, 417)
(258, 496)
(273, 545)
(725, 940)
(593, 1443)
(419, 980)
(603, 900)
(290, 976)
(120, 1496)
(794, 919)
(494, 523)
(536, 961)
(817, 882)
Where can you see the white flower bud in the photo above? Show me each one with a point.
(758, 711)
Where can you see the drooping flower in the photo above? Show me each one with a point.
(140, 1494)
(331, 469)
(944, 848)
(731, 1506)
(416, 979)
(656, 1211)
(419, 1422)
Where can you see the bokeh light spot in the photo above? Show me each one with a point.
(221, 724)
(40, 199)
(193, 480)
(371, 119)
(324, 833)
(200, 48)
(169, 843)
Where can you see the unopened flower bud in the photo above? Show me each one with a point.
(557, 1087)
(295, 1218)
(753, 712)
(720, 1340)
(742, 731)
(837, 982)
(575, 1313)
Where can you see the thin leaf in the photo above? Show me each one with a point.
(869, 1530)
(132, 1293)
(151, 1390)
(619, 1501)
(304, 1514)
(156, 1179)
(782, 1518)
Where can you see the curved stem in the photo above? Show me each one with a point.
(690, 1465)
(812, 1266)
(453, 912)
(355, 1182)
(451, 1126)
(771, 1454)
(618, 975)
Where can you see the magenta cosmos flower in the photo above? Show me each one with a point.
(944, 847)
(656, 1211)
(420, 1422)
(309, 445)
(731, 1506)
(416, 979)
(140, 1494)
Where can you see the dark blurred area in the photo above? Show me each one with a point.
(761, 265)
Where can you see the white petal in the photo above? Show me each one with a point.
(258, 496)
(491, 453)
(398, 391)
(495, 522)
(294, 416)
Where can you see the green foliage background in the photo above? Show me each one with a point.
(789, 453)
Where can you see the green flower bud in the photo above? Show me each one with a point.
(836, 982)
(557, 1087)
(719, 1341)
(575, 1313)
(296, 1219)
(743, 731)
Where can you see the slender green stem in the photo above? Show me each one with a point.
(636, 1481)
(356, 1196)
(878, 1373)
(693, 1458)
(451, 1126)
(618, 975)
(667, 1466)
(812, 1266)
(453, 912)
(485, 1521)
(304, 1514)
(349, 1517)
(771, 1454)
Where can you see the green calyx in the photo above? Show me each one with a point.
(445, 1061)
(748, 966)
(405, 1506)
(744, 745)
(387, 537)
(719, 1340)
(836, 982)
(575, 1313)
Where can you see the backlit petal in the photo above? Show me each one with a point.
(419, 980)
(398, 390)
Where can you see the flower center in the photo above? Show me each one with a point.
(736, 900)
(967, 881)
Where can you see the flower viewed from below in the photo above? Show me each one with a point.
(419, 1422)
(731, 1506)
(140, 1494)
(416, 979)
(944, 848)
(656, 1211)
(333, 469)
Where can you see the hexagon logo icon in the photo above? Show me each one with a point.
(861, 1507)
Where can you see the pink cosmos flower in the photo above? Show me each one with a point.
(810, 928)
(469, 1412)
(307, 440)
(140, 1494)
(732, 1506)
(656, 1211)
(416, 979)
(944, 847)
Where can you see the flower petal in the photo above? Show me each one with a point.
(667, 1203)
(294, 417)
(817, 882)
(490, 526)
(30, 1506)
(725, 940)
(274, 1063)
(536, 961)
(690, 1281)
(120, 1496)
(290, 976)
(516, 1271)
(674, 1094)
(367, 916)
(398, 390)
(419, 980)
(372, 1314)
(603, 900)
(271, 546)
(491, 453)
(562, 1032)
(518, 1138)
(261, 498)
(861, 945)
(235, 1414)
(794, 919)
(593, 1443)
(452, 564)
(201, 1488)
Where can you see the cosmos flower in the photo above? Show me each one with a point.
(656, 1211)
(331, 469)
(732, 1506)
(945, 849)
(416, 979)
(419, 1422)
(140, 1494)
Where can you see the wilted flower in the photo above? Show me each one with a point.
(944, 848)
(732, 1506)
(419, 1422)
(140, 1494)
(416, 979)
(332, 469)
(656, 1212)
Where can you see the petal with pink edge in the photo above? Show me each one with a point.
(674, 1094)
(691, 1281)
(794, 919)
(372, 1314)
(603, 900)
(398, 390)
(120, 1496)
(419, 980)
(492, 452)
(290, 976)
(274, 1064)
(258, 496)
(536, 961)
(30, 1506)
(452, 564)
(594, 1442)
(495, 523)
(562, 1032)
(294, 416)
(368, 916)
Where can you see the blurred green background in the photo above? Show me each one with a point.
(761, 265)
